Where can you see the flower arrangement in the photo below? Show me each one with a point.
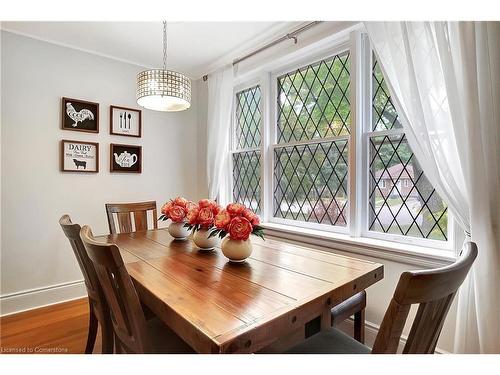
(238, 222)
(176, 210)
(202, 215)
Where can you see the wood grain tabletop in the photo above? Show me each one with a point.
(278, 297)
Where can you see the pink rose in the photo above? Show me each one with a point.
(240, 228)
(192, 216)
(222, 220)
(235, 209)
(177, 213)
(206, 217)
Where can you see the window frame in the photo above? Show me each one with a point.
(357, 212)
(233, 149)
(337, 49)
(367, 133)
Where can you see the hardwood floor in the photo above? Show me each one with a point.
(60, 328)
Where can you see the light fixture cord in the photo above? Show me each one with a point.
(164, 45)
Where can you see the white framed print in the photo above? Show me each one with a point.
(78, 156)
(125, 121)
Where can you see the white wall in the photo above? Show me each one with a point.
(35, 75)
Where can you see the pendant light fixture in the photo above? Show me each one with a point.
(162, 89)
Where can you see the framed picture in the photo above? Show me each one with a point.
(80, 115)
(125, 158)
(125, 121)
(77, 156)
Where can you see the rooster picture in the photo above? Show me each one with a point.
(77, 117)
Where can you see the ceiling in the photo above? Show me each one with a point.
(194, 48)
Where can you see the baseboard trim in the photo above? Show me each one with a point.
(371, 330)
(17, 302)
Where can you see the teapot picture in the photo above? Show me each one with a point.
(125, 159)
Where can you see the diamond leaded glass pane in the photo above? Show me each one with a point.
(311, 182)
(248, 118)
(313, 102)
(402, 201)
(384, 115)
(246, 179)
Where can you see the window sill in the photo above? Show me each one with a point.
(401, 253)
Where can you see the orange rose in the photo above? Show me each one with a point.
(177, 213)
(222, 219)
(206, 217)
(235, 209)
(206, 203)
(179, 201)
(209, 203)
(240, 228)
(191, 205)
(251, 217)
(166, 207)
(192, 215)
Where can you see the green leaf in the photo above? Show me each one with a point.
(214, 233)
(259, 234)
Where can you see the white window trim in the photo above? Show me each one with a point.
(355, 236)
(341, 47)
(421, 256)
(365, 139)
(233, 149)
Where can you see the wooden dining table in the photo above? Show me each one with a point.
(277, 298)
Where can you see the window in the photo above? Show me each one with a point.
(246, 148)
(416, 210)
(307, 161)
(312, 133)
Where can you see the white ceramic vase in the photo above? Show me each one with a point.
(200, 238)
(178, 231)
(236, 250)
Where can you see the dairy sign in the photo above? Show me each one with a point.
(79, 156)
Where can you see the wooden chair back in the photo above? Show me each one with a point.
(127, 316)
(124, 213)
(433, 291)
(97, 301)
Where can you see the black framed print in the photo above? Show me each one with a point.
(80, 115)
(77, 156)
(125, 158)
(125, 121)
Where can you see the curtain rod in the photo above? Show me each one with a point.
(292, 35)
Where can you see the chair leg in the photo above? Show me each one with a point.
(107, 338)
(359, 326)
(118, 347)
(92, 334)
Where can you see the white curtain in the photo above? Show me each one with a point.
(444, 78)
(220, 101)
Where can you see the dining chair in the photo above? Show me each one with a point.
(133, 334)
(433, 290)
(124, 213)
(98, 308)
(353, 306)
